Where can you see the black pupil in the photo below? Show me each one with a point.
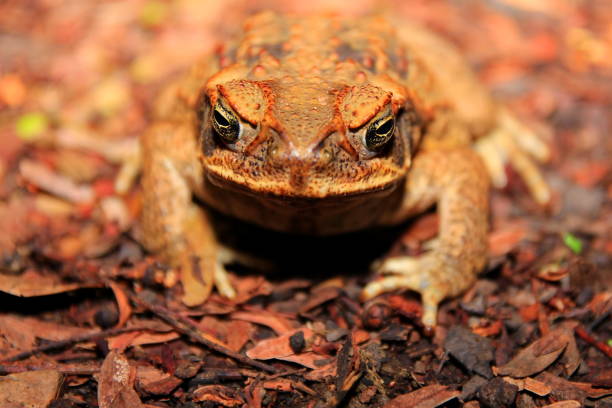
(385, 127)
(220, 119)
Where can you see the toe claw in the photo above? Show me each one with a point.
(197, 280)
(222, 282)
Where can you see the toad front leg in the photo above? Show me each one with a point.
(458, 183)
(174, 226)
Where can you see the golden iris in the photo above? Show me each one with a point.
(226, 124)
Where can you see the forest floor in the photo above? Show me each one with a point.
(88, 318)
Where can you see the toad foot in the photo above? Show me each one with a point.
(432, 275)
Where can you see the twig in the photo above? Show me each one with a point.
(54, 345)
(601, 346)
(185, 326)
(62, 368)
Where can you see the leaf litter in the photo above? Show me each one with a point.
(82, 301)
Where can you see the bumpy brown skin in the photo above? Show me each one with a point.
(305, 91)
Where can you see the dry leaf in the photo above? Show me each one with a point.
(125, 340)
(248, 287)
(32, 389)
(537, 387)
(562, 389)
(123, 303)
(427, 397)
(116, 383)
(553, 272)
(233, 333)
(22, 332)
(278, 384)
(323, 372)
(31, 283)
(564, 404)
(54, 183)
(156, 382)
(278, 324)
(319, 296)
(238, 334)
(504, 240)
(537, 356)
(280, 348)
(218, 394)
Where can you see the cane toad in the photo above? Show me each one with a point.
(324, 125)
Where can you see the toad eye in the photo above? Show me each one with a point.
(379, 132)
(226, 124)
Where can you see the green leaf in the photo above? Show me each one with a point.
(31, 125)
(572, 242)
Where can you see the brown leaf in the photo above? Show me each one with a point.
(123, 303)
(278, 384)
(218, 394)
(280, 348)
(248, 287)
(590, 173)
(320, 296)
(22, 332)
(427, 397)
(322, 372)
(279, 324)
(407, 307)
(233, 333)
(15, 222)
(116, 383)
(239, 333)
(422, 229)
(504, 240)
(30, 389)
(308, 359)
(360, 336)
(123, 341)
(537, 387)
(31, 283)
(156, 382)
(56, 184)
(601, 303)
(553, 272)
(489, 331)
(561, 389)
(591, 389)
(564, 404)
(571, 357)
(537, 356)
